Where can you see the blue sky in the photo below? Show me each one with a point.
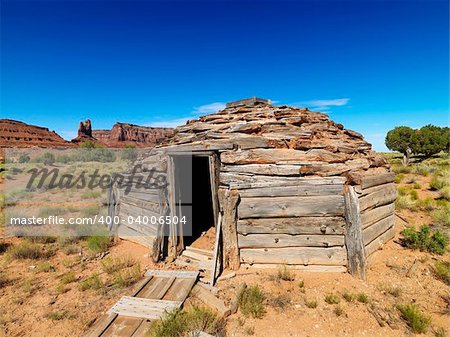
(371, 65)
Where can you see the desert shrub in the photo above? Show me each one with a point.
(427, 204)
(181, 323)
(440, 179)
(47, 211)
(442, 271)
(403, 190)
(129, 153)
(445, 193)
(46, 158)
(405, 202)
(441, 216)
(71, 249)
(27, 250)
(42, 239)
(425, 240)
(90, 211)
(90, 194)
(69, 277)
(349, 297)
(338, 310)
(45, 267)
(4, 246)
(285, 274)
(56, 315)
(414, 317)
(401, 169)
(127, 277)
(312, 304)
(332, 298)
(280, 301)
(398, 178)
(417, 186)
(422, 170)
(111, 265)
(24, 158)
(251, 302)
(98, 243)
(440, 332)
(4, 280)
(362, 298)
(414, 195)
(92, 282)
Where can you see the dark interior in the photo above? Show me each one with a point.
(194, 195)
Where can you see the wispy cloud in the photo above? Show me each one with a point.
(197, 112)
(323, 104)
(208, 108)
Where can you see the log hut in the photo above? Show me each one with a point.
(283, 186)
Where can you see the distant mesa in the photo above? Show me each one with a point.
(19, 134)
(123, 134)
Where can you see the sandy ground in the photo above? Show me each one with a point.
(29, 297)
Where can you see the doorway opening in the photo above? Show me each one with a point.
(195, 197)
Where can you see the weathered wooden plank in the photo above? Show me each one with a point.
(139, 203)
(300, 225)
(373, 215)
(264, 169)
(287, 240)
(291, 206)
(353, 236)
(273, 156)
(129, 234)
(228, 200)
(216, 250)
(173, 273)
(379, 241)
(378, 179)
(211, 300)
(373, 231)
(378, 198)
(196, 256)
(299, 190)
(298, 255)
(248, 181)
(143, 307)
(200, 251)
(211, 145)
(150, 195)
(142, 230)
(372, 189)
(308, 268)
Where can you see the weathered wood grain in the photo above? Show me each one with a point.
(308, 268)
(373, 215)
(274, 156)
(353, 236)
(229, 199)
(264, 169)
(287, 240)
(299, 255)
(374, 231)
(379, 179)
(378, 198)
(379, 241)
(299, 225)
(299, 190)
(291, 206)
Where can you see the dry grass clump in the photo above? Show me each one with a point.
(442, 271)
(184, 323)
(285, 274)
(280, 301)
(98, 243)
(338, 310)
(349, 297)
(332, 298)
(4, 280)
(92, 282)
(111, 265)
(414, 317)
(69, 277)
(45, 267)
(362, 298)
(251, 302)
(127, 277)
(27, 250)
(312, 304)
(441, 216)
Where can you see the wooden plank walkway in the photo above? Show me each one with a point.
(131, 316)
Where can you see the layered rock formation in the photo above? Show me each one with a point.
(123, 134)
(18, 134)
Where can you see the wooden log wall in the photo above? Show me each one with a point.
(284, 218)
(377, 196)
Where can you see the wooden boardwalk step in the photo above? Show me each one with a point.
(143, 307)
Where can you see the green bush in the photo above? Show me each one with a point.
(251, 302)
(92, 282)
(405, 202)
(98, 243)
(414, 195)
(24, 158)
(441, 216)
(413, 316)
(425, 240)
(442, 270)
(362, 298)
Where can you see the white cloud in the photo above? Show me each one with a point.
(324, 104)
(197, 112)
(209, 108)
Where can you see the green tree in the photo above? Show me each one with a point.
(400, 139)
(429, 140)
